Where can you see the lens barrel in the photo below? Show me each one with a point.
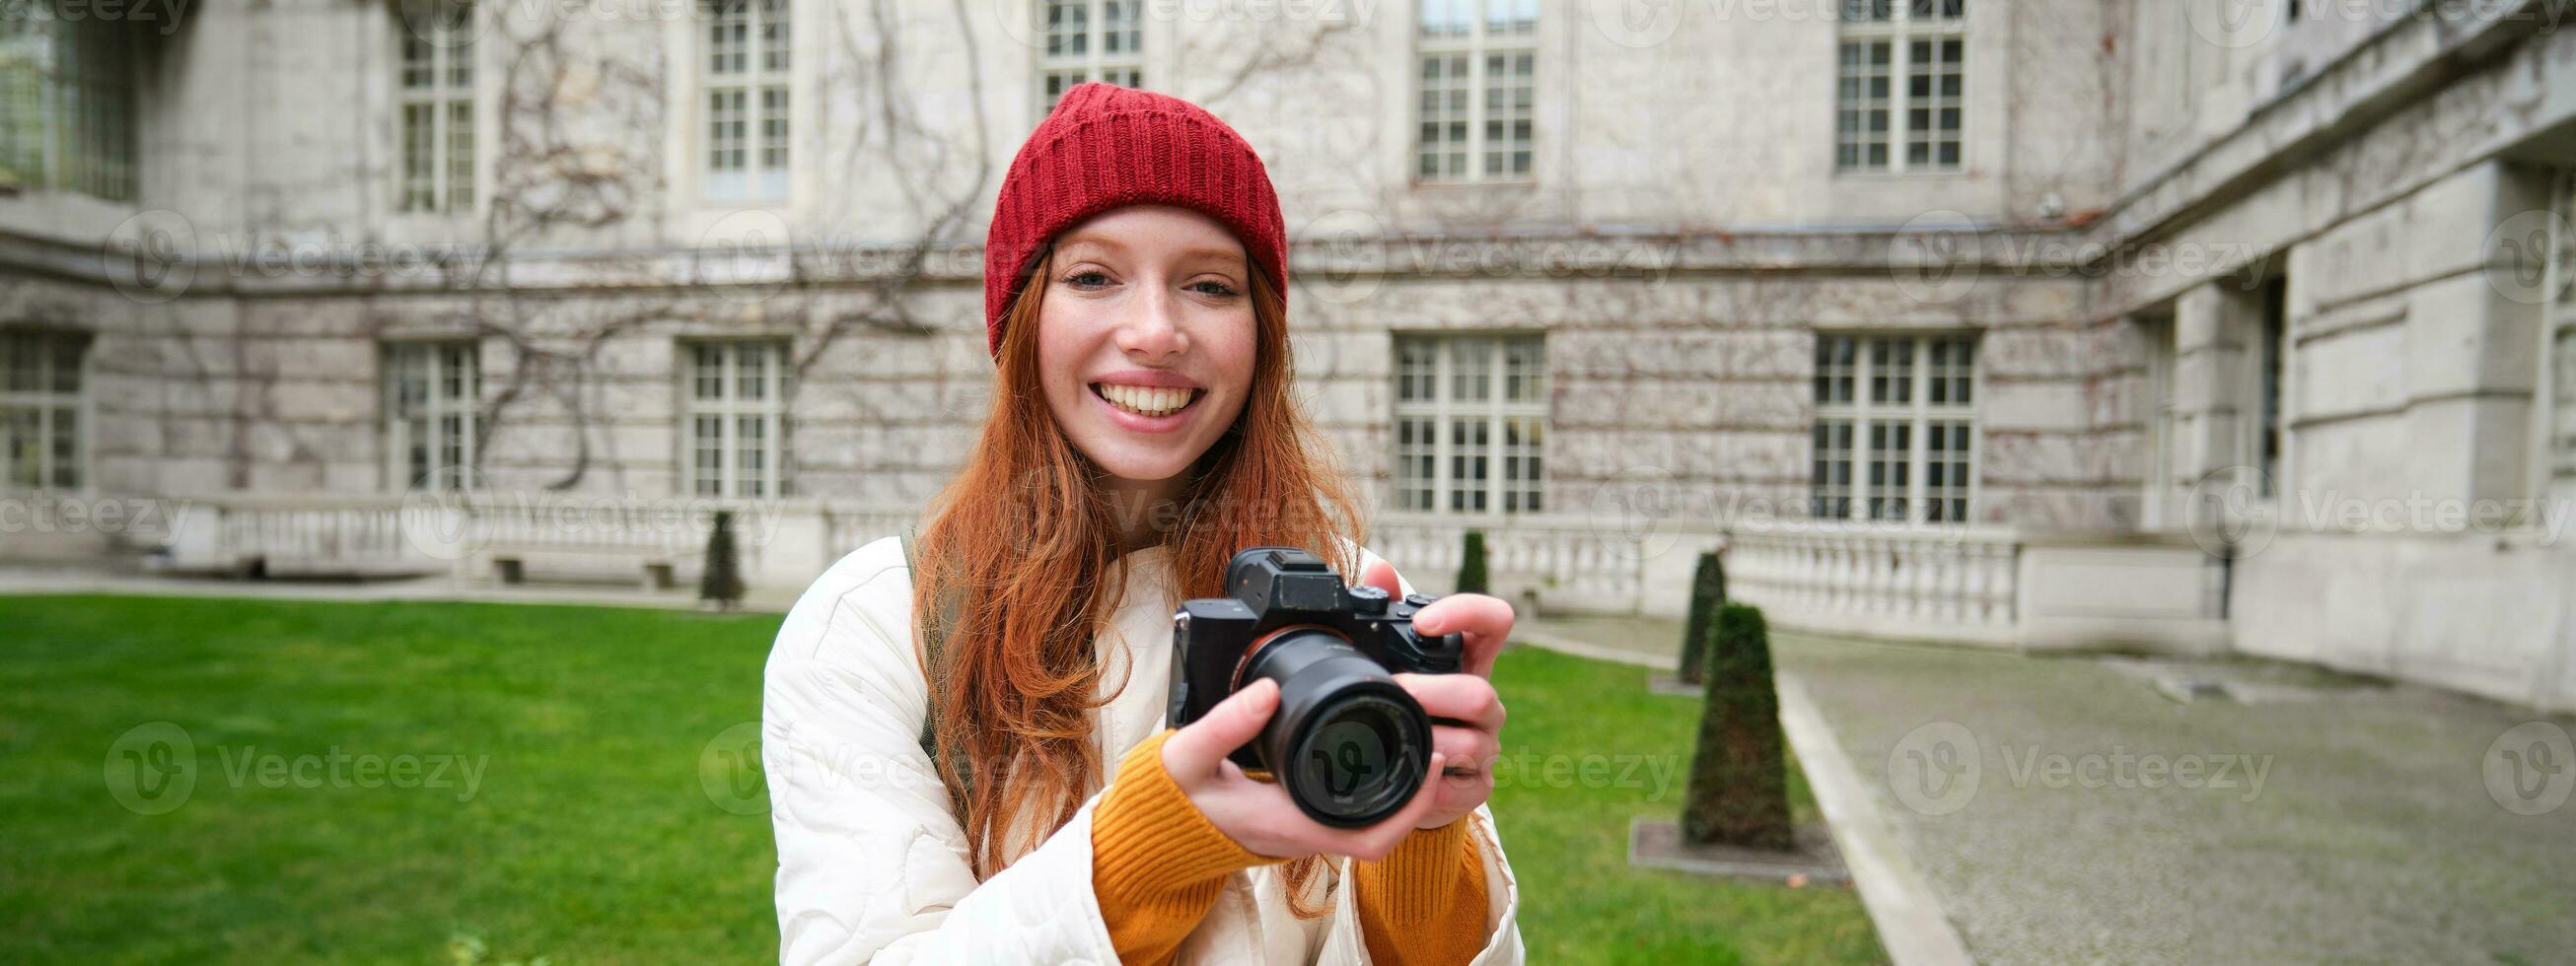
(1349, 743)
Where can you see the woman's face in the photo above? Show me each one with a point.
(1146, 338)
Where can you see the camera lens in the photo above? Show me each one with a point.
(1348, 742)
(1347, 765)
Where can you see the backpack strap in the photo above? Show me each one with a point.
(934, 639)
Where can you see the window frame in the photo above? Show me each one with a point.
(1478, 45)
(757, 181)
(1505, 492)
(443, 96)
(48, 401)
(1094, 62)
(2554, 433)
(1917, 416)
(1898, 31)
(438, 358)
(729, 409)
(106, 118)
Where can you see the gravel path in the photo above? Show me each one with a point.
(2073, 809)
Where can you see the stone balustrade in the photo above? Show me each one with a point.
(1974, 585)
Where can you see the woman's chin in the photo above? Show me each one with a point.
(1124, 464)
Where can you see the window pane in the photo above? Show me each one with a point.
(1830, 478)
(22, 432)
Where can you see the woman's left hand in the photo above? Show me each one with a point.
(1468, 696)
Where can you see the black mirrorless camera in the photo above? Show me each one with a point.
(1350, 744)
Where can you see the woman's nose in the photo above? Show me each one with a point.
(1154, 330)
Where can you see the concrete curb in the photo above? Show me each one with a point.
(1911, 926)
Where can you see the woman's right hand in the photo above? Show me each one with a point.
(1259, 815)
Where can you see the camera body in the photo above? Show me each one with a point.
(1349, 743)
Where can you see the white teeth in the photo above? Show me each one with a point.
(1145, 400)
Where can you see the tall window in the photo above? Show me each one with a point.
(67, 102)
(433, 392)
(1478, 69)
(737, 418)
(1895, 430)
(437, 93)
(2164, 419)
(2272, 351)
(41, 443)
(746, 84)
(1901, 73)
(1470, 418)
(1089, 40)
(2562, 432)
(2561, 376)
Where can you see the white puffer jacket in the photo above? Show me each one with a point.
(871, 863)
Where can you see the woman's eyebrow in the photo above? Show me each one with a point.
(1232, 257)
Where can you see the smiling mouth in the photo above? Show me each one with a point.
(1147, 400)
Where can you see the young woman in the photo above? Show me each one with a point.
(1142, 431)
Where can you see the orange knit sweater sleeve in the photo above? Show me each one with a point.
(1157, 866)
(1424, 904)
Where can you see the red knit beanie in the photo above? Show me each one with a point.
(1107, 146)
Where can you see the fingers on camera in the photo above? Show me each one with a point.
(1465, 697)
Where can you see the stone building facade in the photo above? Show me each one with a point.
(2042, 324)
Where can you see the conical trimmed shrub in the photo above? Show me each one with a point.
(1471, 564)
(1739, 782)
(722, 581)
(1708, 589)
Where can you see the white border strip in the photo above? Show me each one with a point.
(1911, 925)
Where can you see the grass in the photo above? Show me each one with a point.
(1568, 837)
(587, 835)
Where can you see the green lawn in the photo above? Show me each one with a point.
(589, 833)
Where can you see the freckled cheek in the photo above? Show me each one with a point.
(1231, 345)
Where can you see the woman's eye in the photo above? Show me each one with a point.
(1087, 278)
(1212, 287)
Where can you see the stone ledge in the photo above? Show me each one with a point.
(1656, 843)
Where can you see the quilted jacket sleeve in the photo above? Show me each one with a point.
(871, 864)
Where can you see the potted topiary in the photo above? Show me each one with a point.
(1708, 590)
(1471, 564)
(720, 586)
(1739, 781)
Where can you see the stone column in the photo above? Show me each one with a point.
(2216, 390)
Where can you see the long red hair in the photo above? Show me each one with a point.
(1021, 542)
